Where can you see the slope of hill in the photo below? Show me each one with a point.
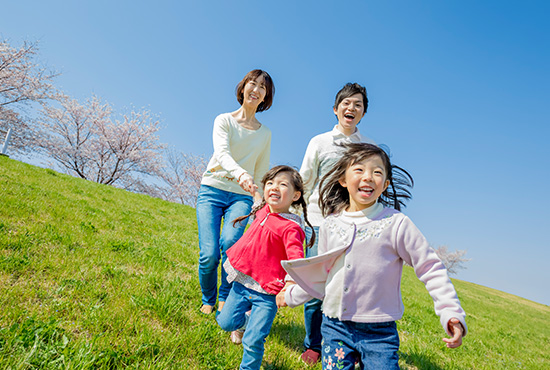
(96, 277)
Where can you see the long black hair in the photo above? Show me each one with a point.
(298, 185)
(334, 198)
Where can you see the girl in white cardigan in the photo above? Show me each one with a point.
(362, 246)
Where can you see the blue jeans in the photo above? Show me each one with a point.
(233, 317)
(213, 205)
(375, 343)
(313, 316)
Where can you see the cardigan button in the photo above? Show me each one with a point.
(348, 266)
(346, 289)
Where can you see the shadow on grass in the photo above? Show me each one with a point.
(270, 366)
(418, 361)
(290, 334)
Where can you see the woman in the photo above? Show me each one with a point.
(241, 158)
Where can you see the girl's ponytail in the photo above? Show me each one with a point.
(255, 208)
(398, 191)
(304, 211)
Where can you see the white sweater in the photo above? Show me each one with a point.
(237, 150)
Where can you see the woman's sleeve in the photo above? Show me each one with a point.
(262, 164)
(221, 137)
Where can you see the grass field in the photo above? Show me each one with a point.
(94, 277)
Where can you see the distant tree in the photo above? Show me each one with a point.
(181, 177)
(87, 141)
(22, 82)
(453, 261)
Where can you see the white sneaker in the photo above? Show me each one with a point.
(237, 336)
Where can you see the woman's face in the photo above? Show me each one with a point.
(254, 92)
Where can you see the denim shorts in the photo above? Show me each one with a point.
(375, 345)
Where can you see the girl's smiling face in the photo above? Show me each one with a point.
(365, 181)
(279, 193)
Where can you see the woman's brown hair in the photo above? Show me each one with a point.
(269, 88)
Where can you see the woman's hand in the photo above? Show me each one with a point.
(246, 182)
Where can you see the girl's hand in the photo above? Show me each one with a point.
(247, 183)
(457, 329)
(280, 299)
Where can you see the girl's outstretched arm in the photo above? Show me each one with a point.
(457, 329)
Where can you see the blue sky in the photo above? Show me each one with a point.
(458, 91)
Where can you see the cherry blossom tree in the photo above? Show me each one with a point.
(22, 83)
(181, 177)
(453, 261)
(86, 140)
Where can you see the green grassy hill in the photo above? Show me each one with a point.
(96, 277)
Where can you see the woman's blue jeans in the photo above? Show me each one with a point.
(213, 205)
(313, 316)
(258, 325)
(375, 344)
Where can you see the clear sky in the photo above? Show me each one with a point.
(458, 91)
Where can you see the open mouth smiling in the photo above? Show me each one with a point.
(366, 189)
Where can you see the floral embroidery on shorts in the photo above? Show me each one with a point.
(337, 362)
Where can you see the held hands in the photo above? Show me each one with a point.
(247, 183)
(457, 329)
(280, 298)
